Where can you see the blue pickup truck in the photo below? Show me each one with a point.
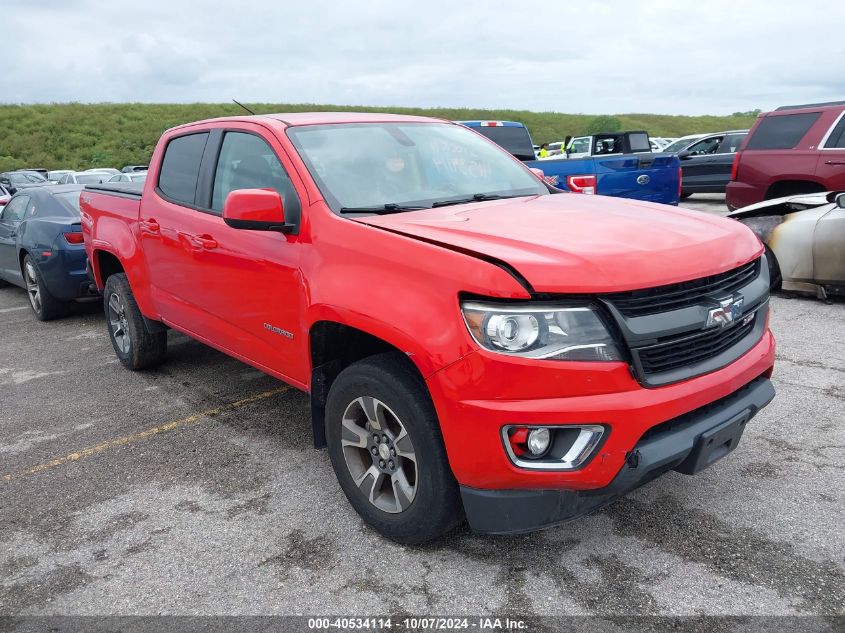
(628, 170)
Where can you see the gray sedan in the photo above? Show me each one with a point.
(805, 240)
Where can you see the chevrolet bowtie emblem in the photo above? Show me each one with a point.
(729, 310)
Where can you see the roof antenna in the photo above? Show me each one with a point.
(244, 107)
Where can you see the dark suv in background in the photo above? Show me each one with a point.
(793, 150)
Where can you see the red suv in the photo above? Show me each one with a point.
(793, 150)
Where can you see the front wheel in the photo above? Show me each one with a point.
(385, 445)
(45, 306)
(135, 346)
(775, 276)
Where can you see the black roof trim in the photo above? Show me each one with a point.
(810, 105)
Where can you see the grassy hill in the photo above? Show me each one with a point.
(79, 136)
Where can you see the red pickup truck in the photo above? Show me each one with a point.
(475, 343)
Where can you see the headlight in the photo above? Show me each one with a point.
(541, 331)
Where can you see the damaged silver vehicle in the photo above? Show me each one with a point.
(804, 237)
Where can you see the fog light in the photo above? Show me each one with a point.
(561, 447)
(538, 441)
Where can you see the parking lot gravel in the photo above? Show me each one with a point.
(194, 489)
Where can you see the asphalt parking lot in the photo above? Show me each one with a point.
(194, 489)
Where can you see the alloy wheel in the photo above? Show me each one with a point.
(118, 323)
(33, 291)
(379, 454)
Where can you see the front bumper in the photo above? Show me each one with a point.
(483, 392)
(687, 444)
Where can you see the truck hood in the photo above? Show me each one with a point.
(584, 244)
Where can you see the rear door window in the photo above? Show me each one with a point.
(730, 144)
(782, 131)
(836, 140)
(180, 167)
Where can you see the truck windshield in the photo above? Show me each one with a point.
(398, 165)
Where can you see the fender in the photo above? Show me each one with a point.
(398, 288)
(413, 347)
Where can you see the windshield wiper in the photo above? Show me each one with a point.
(390, 207)
(476, 197)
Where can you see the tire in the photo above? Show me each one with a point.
(418, 500)
(134, 345)
(684, 196)
(44, 305)
(775, 277)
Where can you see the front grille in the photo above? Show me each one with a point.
(687, 350)
(636, 303)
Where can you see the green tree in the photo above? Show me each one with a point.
(604, 123)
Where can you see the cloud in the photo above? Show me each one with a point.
(711, 56)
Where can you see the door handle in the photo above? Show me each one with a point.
(204, 241)
(834, 162)
(150, 226)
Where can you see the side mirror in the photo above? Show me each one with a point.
(840, 200)
(684, 154)
(255, 210)
(538, 172)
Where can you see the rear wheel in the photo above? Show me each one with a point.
(135, 346)
(45, 306)
(387, 451)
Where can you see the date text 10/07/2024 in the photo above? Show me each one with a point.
(418, 624)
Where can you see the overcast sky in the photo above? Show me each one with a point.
(592, 56)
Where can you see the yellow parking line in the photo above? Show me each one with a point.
(130, 439)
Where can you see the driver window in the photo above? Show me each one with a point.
(707, 146)
(580, 145)
(14, 211)
(247, 162)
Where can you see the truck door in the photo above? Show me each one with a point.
(10, 220)
(698, 163)
(719, 170)
(830, 168)
(238, 289)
